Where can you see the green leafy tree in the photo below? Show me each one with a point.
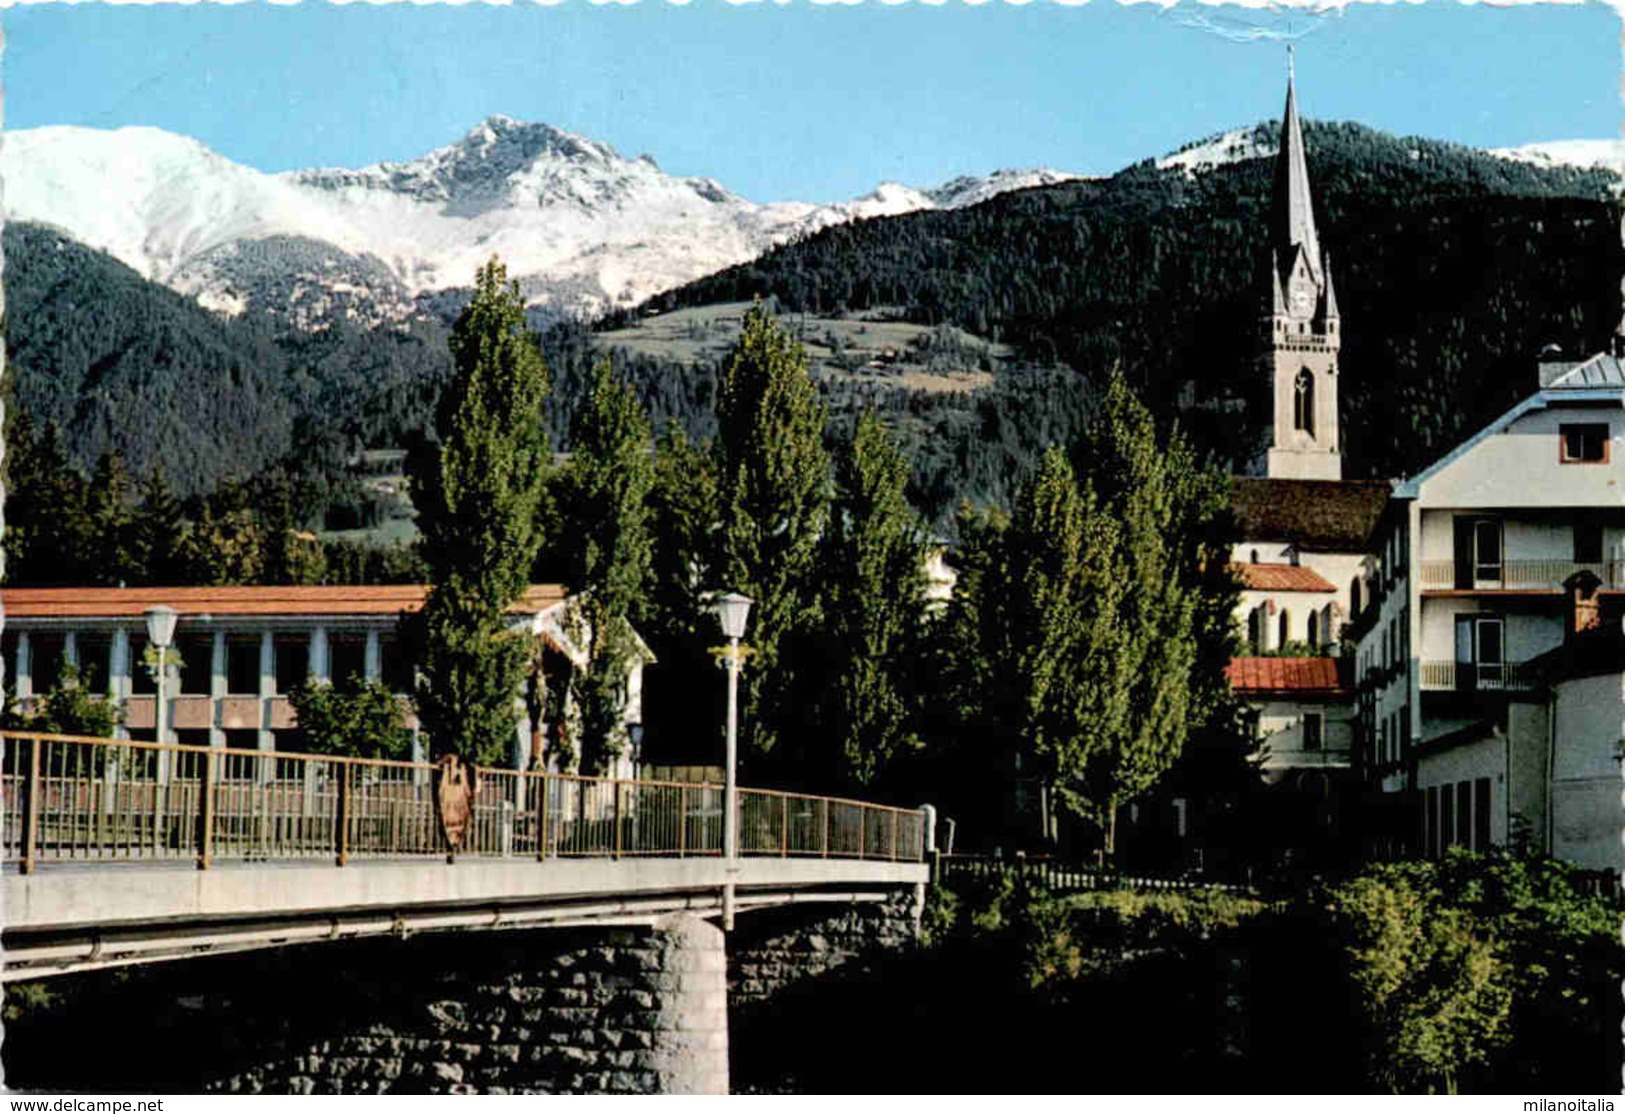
(1429, 983)
(604, 521)
(874, 593)
(68, 708)
(1061, 597)
(479, 509)
(1164, 619)
(360, 720)
(685, 690)
(774, 489)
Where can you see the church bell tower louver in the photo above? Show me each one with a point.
(1304, 331)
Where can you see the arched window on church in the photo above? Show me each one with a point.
(1303, 403)
(1285, 630)
(1314, 630)
(1255, 629)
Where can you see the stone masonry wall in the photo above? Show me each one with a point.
(635, 1010)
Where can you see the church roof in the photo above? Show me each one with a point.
(1294, 222)
(1326, 515)
(1293, 677)
(1281, 578)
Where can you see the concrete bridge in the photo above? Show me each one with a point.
(122, 854)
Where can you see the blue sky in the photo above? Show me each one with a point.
(800, 100)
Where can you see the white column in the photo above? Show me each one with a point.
(266, 740)
(318, 665)
(217, 687)
(23, 668)
(70, 648)
(373, 661)
(118, 674)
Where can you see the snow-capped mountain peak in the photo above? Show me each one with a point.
(581, 226)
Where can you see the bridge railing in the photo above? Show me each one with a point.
(69, 798)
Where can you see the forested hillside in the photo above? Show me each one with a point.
(1453, 268)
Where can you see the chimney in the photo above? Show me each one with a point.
(1584, 605)
(1552, 365)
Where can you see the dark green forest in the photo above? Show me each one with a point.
(1453, 269)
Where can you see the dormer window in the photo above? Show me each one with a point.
(1583, 442)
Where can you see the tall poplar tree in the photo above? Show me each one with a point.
(479, 511)
(874, 592)
(1171, 619)
(773, 481)
(605, 526)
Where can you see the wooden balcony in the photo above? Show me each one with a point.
(1449, 676)
(1521, 576)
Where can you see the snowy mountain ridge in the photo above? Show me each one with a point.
(581, 227)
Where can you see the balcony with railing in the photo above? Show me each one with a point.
(1519, 575)
(1451, 676)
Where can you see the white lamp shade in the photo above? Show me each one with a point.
(161, 624)
(733, 609)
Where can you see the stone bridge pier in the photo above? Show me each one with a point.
(642, 1009)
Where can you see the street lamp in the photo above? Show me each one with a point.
(732, 611)
(160, 634)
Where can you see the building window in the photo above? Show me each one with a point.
(1588, 543)
(1447, 818)
(1354, 598)
(1583, 442)
(1303, 403)
(1314, 629)
(1314, 730)
(197, 664)
(243, 664)
(292, 661)
(1285, 629)
(1480, 652)
(395, 665)
(95, 654)
(46, 655)
(141, 679)
(347, 659)
(1464, 813)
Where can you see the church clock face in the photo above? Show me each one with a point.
(1300, 295)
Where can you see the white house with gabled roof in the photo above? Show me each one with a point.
(1475, 552)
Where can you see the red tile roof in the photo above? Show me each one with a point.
(324, 599)
(1281, 578)
(1289, 676)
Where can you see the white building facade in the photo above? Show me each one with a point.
(1468, 572)
(242, 650)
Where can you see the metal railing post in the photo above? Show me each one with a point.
(863, 829)
(823, 851)
(205, 835)
(682, 820)
(342, 835)
(31, 805)
(619, 785)
(894, 837)
(784, 827)
(541, 817)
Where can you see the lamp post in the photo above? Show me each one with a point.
(732, 610)
(160, 635)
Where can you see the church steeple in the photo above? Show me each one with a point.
(1305, 333)
(1294, 211)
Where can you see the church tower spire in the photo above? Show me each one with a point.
(1304, 327)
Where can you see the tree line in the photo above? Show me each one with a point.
(1084, 644)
